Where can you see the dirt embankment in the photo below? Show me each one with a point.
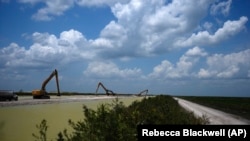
(28, 100)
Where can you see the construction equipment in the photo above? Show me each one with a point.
(108, 92)
(144, 91)
(42, 94)
(8, 95)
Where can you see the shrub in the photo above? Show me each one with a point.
(113, 122)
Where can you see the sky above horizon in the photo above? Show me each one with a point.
(176, 47)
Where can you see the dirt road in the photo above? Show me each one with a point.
(28, 100)
(214, 116)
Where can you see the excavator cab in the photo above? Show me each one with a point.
(108, 92)
(42, 94)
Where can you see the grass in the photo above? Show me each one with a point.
(234, 105)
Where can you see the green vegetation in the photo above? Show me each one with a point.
(42, 131)
(235, 105)
(115, 121)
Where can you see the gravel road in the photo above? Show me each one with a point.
(215, 117)
(28, 100)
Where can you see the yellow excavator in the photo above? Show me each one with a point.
(145, 92)
(108, 92)
(42, 94)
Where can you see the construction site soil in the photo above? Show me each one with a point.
(28, 100)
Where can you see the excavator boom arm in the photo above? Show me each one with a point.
(105, 89)
(100, 84)
(54, 73)
(144, 91)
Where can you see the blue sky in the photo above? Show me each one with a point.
(178, 47)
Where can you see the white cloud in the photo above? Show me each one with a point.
(147, 28)
(110, 70)
(112, 36)
(205, 73)
(165, 69)
(152, 27)
(217, 66)
(196, 51)
(71, 36)
(99, 2)
(208, 26)
(221, 7)
(29, 1)
(229, 29)
(182, 69)
(114, 31)
(102, 43)
(44, 38)
(128, 11)
(10, 53)
(234, 65)
(170, 22)
(48, 50)
(52, 8)
(143, 28)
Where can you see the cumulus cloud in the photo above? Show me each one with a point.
(72, 36)
(47, 50)
(217, 66)
(152, 27)
(182, 69)
(112, 36)
(110, 70)
(99, 2)
(52, 8)
(147, 28)
(196, 51)
(234, 65)
(12, 52)
(229, 29)
(141, 28)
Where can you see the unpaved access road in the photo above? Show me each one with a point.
(28, 100)
(214, 116)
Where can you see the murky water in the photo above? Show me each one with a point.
(19, 122)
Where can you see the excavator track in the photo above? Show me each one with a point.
(41, 97)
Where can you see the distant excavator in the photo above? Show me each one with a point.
(144, 92)
(42, 94)
(108, 92)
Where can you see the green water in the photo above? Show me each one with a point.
(19, 122)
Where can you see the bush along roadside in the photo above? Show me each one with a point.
(113, 122)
